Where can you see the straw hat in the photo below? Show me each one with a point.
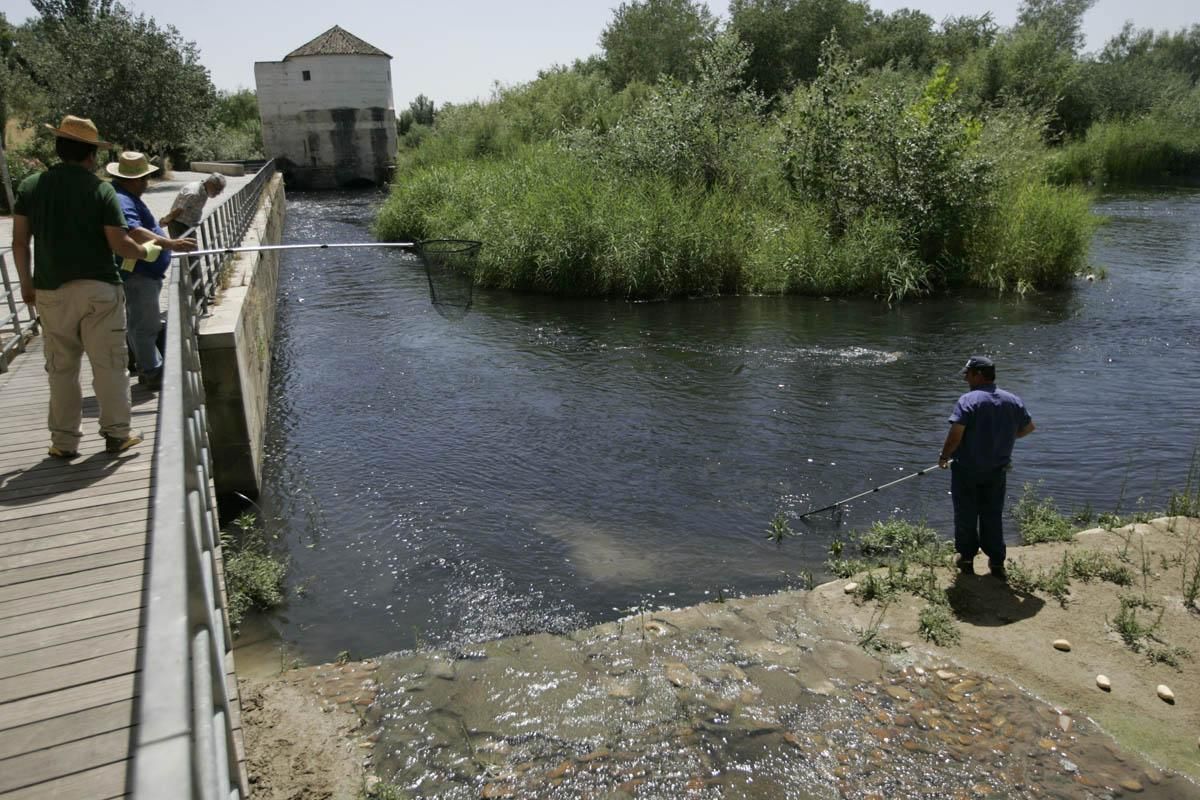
(131, 165)
(79, 129)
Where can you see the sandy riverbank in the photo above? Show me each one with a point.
(780, 674)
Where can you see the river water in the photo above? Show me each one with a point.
(543, 464)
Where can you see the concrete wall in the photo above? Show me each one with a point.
(338, 128)
(235, 353)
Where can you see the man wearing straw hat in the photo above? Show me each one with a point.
(143, 277)
(76, 220)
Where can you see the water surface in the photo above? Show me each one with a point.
(542, 462)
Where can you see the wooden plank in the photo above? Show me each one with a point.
(41, 487)
(54, 616)
(69, 597)
(77, 537)
(102, 783)
(140, 494)
(49, 764)
(67, 701)
(20, 560)
(87, 577)
(74, 526)
(54, 473)
(71, 632)
(45, 681)
(99, 510)
(67, 728)
(70, 653)
(71, 565)
(118, 483)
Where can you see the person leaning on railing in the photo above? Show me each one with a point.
(143, 277)
(77, 223)
(188, 208)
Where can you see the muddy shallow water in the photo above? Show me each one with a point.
(743, 699)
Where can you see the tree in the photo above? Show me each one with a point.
(1060, 20)
(963, 35)
(422, 110)
(903, 38)
(651, 38)
(142, 84)
(786, 36)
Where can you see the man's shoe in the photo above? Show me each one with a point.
(151, 381)
(999, 573)
(65, 455)
(113, 444)
(966, 566)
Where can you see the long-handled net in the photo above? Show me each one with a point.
(450, 267)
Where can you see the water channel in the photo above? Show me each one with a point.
(543, 462)
(541, 465)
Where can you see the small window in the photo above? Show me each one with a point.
(306, 75)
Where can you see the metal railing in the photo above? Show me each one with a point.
(185, 744)
(20, 322)
(225, 227)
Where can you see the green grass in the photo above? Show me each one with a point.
(1040, 520)
(1151, 149)
(253, 575)
(936, 623)
(1142, 636)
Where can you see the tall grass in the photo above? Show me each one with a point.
(1151, 149)
(1037, 236)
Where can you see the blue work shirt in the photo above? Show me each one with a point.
(138, 215)
(992, 418)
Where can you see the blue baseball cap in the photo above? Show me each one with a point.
(978, 362)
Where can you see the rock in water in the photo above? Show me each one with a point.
(1104, 683)
(1165, 694)
(1062, 644)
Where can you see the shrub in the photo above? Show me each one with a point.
(1040, 520)
(253, 576)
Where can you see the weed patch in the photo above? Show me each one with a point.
(253, 575)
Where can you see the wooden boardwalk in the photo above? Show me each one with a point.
(73, 547)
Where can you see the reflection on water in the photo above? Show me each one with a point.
(542, 462)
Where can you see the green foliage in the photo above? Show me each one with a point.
(253, 575)
(1143, 637)
(786, 37)
(779, 529)
(141, 83)
(1040, 520)
(1037, 236)
(936, 624)
(1152, 149)
(651, 38)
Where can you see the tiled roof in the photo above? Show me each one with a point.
(336, 42)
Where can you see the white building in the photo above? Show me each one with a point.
(327, 112)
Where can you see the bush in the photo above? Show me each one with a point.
(1040, 520)
(253, 576)
(1037, 236)
(1151, 149)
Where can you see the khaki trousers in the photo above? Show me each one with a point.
(80, 317)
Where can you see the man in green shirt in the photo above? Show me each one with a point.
(77, 223)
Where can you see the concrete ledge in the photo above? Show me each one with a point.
(235, 353)
(232, 170)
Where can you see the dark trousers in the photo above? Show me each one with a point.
(979, 512)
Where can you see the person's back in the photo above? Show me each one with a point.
(992, 418)
(68, 207)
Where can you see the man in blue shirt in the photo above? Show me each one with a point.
(984, 425)
(143, 279)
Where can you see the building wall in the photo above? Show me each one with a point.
(336, 129)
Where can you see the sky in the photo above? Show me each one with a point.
(456, 50)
